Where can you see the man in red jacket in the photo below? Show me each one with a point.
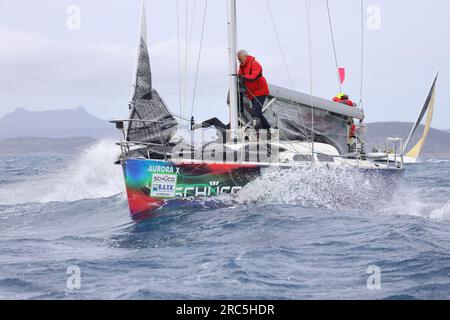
(251, 72)
(344, 99)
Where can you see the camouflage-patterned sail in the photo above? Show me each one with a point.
(290, 112)
(154, 123)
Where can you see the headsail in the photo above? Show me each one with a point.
(428, 109)
(153, 121)
(142, 82)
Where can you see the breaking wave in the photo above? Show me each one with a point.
(412, 201)
(441, 213)
(90, 175)
(342, 190)
(334, 189)
(438, 160)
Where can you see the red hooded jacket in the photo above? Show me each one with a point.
(352, 131)
(347, 102)
(255, 83)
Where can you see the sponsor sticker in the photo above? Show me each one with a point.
(164, 185)
(163, 169)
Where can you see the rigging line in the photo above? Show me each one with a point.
(309, 30)
(290, 79)
(186, 53)
(283, 56)
(303, 122)
(180, 81)
(239, 83)
(288, 141)
(280, 132)
(191, 30)
(334, 45)
(300, 106)
(191, 34)
(180, 117)
(362, 56)
(199, 57)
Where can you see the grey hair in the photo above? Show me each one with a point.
(242, 53)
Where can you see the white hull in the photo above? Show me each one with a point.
(381, 157)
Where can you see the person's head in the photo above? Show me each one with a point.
(242, 56)
(344, 97)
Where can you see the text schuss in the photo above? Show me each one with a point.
(227, 310)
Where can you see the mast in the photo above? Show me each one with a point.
(232, 51)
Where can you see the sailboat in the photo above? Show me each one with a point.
(411, 156)
(161, 169)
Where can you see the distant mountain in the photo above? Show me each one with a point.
(21, 146)
(54, 124)
(437, 144)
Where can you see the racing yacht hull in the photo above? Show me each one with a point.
(154, 184)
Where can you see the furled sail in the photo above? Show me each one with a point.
(153, 121)
(428, 109)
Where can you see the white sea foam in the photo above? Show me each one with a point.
(412, 201)
(442, 213)
(90, 175)
(334, 189)
(438, 160)
(341, 189)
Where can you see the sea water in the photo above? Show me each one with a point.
(65, 233)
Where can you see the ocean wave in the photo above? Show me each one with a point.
(342, 190)
(438, 160)
(320, 187)
(90, 175)
(441, 213)
(414, 201)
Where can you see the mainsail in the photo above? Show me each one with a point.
(428, 109)
(153, 121)
(291, 112)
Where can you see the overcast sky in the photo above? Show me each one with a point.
(46, 65)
